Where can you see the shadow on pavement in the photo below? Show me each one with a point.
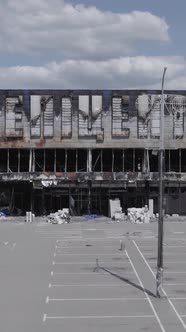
(98, 267)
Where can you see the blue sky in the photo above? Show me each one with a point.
(92, 44)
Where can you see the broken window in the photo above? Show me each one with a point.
(71, 160)
(155, 115)
(118, 160)
(47, 106)
(107, 160)
(176, 105)
(3, 160)
(128, 160)
(82, 161)
(96, 160)
(66, 117)
(13, 160)
(39, 160)
(139, 158)
(90, 116)
(60, 160)
(49, 160)
(153, 160)
(183, 160)
(14, 110)
(35, 110)
(143, 107)
(24, 160)
(120, 116)
(167, 160)
(174, 160)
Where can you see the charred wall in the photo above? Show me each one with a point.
(81, 147)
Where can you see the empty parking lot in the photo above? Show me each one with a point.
(74, 276)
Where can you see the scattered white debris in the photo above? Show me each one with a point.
(114, 207)
(59, 217)
(115, 210)
(30, 216)
(139, 215)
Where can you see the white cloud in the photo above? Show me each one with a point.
(124, 73)
(78, 32)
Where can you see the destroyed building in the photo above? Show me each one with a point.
(80, 148)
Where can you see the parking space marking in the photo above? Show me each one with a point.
(80, 273)
(174, 284)
(178, 232)
(165, 244)
(177, 298)
(48, 299)
(173, 262)
(98, 239)
(167, 253)
(85, 247)
(89, 285)
(148, 298)
(170, 302)
(176, 239)
(81, 263)
(175, 272)
(45, 317)
(92, 254)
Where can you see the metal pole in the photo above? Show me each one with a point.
(159, 276)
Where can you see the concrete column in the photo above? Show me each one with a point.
(89, 160)
(8, 161)
(30, 161)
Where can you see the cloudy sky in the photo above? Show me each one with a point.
(105, 44)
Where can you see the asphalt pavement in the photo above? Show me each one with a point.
(92, 275)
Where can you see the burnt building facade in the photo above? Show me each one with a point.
(79, 148)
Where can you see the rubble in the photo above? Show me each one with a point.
(115, 209)
(30, 216)
(138, 215)
(59, 217)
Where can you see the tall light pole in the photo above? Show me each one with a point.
(159, 276)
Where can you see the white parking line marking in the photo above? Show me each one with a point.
(96, 299)
(172, 262)
(81, 263)
(92, 254)
(45, 317)
(82, 273)
(84, 246)
(148, 298)
(64, 238)
(177, 298)
(166, 246)
(103, 239)
(174, 284)
(166, 253)
(58, 232)
(90, 285)
(175, 272)
(176, 239)
(178, 232)
(170, 302)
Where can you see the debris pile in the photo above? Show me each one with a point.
(138, 215)
(59, 217)
(30, 216)
(115, 209)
